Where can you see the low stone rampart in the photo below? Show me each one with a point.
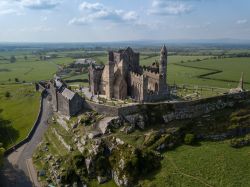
(102, 109)
(173, 110)
(169, 111)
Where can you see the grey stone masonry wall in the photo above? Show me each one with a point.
(100, 108)
(169, 111)
(187, 109)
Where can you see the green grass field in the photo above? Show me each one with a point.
(231, 68)
(20, 111)
(148, 60)
(29, 71)
(210, 164)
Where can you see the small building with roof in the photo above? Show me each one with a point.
(64, 100)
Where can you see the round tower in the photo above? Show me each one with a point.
(110, 75)
(163, 68)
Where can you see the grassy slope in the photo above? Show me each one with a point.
(21, 109)
(212, 163)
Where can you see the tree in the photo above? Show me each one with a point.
(16, 80)
(25, 57)
(7, 94)
(12, 59)
(1, 154)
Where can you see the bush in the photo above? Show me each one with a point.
(12, 59)
(79, 161)
(189, 139)
(70, 176)
(240, 142)
(7, 94)
(151, 138)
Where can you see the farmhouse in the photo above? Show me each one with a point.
(123, 77)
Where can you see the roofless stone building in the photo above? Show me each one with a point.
(123, 77)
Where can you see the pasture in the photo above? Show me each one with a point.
(19, 112)
(230, 68)
(30, 70)
(210, 164)
(198, 70)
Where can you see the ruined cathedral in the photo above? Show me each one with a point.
(123, 77)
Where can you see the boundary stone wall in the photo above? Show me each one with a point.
(32, 131)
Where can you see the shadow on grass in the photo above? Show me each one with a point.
(150, 176)
(8, 135)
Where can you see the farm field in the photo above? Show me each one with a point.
(149, 59)
(210, 164)
(30, 70)
(19, 113)
(231, 68)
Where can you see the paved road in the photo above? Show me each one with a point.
(15, 172)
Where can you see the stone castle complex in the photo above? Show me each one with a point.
(123, 77)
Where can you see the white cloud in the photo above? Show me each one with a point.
(97, 11)
(79, 21)
(17, 6)
(8, 8)
(168, 7)
(40, 4)
(91, 6)
(242, 21)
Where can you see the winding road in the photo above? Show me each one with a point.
(18, 169)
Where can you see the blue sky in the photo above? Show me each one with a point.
(121, 20)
